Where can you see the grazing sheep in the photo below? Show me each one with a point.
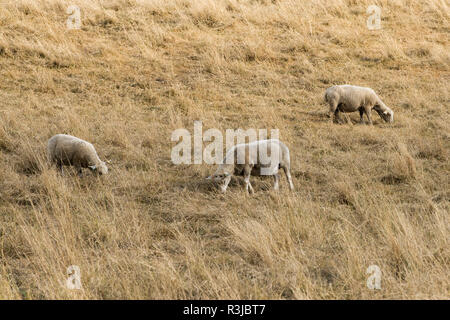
(72, 151)
(348, 98)
(263, 157)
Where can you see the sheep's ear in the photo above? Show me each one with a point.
(227, 174)
(386, 112)
(209, 178)
(92, 167)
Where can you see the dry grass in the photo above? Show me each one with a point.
(137, 70)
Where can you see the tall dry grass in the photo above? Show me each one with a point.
(137, 70)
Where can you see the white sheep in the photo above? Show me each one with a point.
(68, 150)
(262, 157)
(348, 98)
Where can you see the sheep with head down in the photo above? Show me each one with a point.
(261, 157)
(349, 98)
(68, 150)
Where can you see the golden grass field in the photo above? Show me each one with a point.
(137, 70)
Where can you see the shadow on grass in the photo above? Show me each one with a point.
(237, 183)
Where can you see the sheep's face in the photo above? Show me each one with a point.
(222, 178)
(219, 177)
(99, 169)
(102, 168)
(387, 115)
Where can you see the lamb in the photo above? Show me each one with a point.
(348, 98)
(262, 157)
(68, 150)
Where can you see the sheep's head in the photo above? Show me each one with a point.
(386, 114)
(222, 177)
(100, 168)
(219, 177)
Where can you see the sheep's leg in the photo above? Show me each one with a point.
(287, 172)
(333, 109)
(80, 171)
(224, 186)
(248, 186)
(276, 178)
(60, 167)
(361, 115)
(331, 116)
(369, 116)
(336, 116)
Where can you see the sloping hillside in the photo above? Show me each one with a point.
(137, 70)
